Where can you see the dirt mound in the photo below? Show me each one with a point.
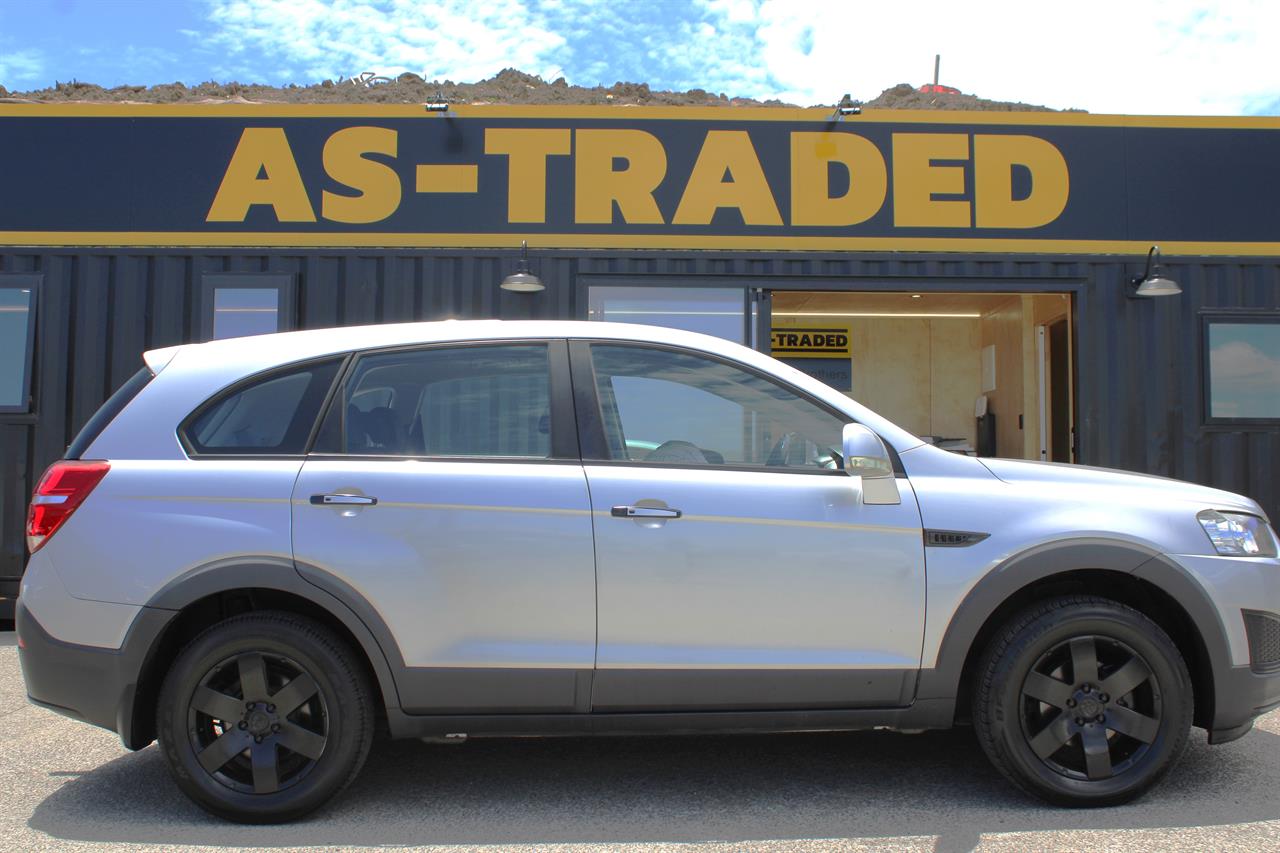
(906, 97)
(507, 87)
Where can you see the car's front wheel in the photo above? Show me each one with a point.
(264, 717)
(1082, 701)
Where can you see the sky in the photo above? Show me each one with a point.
(1178, 57)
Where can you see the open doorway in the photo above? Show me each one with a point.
(987, 374)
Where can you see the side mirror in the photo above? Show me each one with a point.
(865, 454)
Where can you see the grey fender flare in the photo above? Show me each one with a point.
(1044, 561)
(316, 586)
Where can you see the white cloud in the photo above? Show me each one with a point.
(1170, 56)
(1133, 56)
(1244, 365)
(325, 39)
(20, 66)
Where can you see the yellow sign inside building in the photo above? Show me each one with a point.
(810, 342)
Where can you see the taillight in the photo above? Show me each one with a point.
(61, 490)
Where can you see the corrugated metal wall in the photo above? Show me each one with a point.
(1139, 362)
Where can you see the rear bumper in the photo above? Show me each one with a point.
(1242, 696)
(88, 683)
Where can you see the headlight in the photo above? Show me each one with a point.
(1235, 534)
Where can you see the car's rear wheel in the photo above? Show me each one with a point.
(264, 717)
(1082, 701)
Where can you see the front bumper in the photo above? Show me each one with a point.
(88, 683)
(1241, 696)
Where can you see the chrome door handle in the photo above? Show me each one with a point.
(343, 500)
(644, 512)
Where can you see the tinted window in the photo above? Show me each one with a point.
(662, 406)
(454, 401)
(273, 415)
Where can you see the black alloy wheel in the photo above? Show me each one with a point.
(258, 723)
(264, 717)
(1082, 701)
(1090, 708)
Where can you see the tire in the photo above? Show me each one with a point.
(1082, 701)
(263, 763)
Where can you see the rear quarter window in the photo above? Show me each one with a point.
(269, 415)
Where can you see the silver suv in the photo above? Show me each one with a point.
(262, 551)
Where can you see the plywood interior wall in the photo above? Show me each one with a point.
(925, 372)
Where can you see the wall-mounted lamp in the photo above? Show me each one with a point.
(523, 281)
(846, 107)
(1153, 281)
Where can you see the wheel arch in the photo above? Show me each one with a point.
(1125, 572)
(203, 597)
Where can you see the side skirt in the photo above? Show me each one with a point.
(924, 714)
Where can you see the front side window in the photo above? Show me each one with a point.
(17, 328)
(273, 415)
(672, 407)
(472, 401)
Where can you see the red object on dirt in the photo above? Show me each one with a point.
(938, 89)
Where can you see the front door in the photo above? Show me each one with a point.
(737, 566)
(447, 493)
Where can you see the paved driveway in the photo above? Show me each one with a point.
(64, 785)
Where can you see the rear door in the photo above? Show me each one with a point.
(445, 489)
(737, 566)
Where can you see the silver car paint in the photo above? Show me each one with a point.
(762, 571)
(182, 514)
(1032, 504)
(86, 623)
(150, 522)
(470, 564)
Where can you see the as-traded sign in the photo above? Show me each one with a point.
(272, 175)
(810, 342)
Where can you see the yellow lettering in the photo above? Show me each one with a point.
(265, 151)
(993, 160)
(527, 151)
(727, 151)
(811, 200)
(916, 180)
(597, 185)
(377, 184)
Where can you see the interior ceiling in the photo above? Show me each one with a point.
(890, 303)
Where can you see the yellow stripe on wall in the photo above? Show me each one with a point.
(339, 240)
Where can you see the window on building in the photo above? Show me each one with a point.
(235, 305)
(273, 415)
(477, 401)
(17, 340)
(1243, 368)
(718, 311)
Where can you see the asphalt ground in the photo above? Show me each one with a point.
(67, 786)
